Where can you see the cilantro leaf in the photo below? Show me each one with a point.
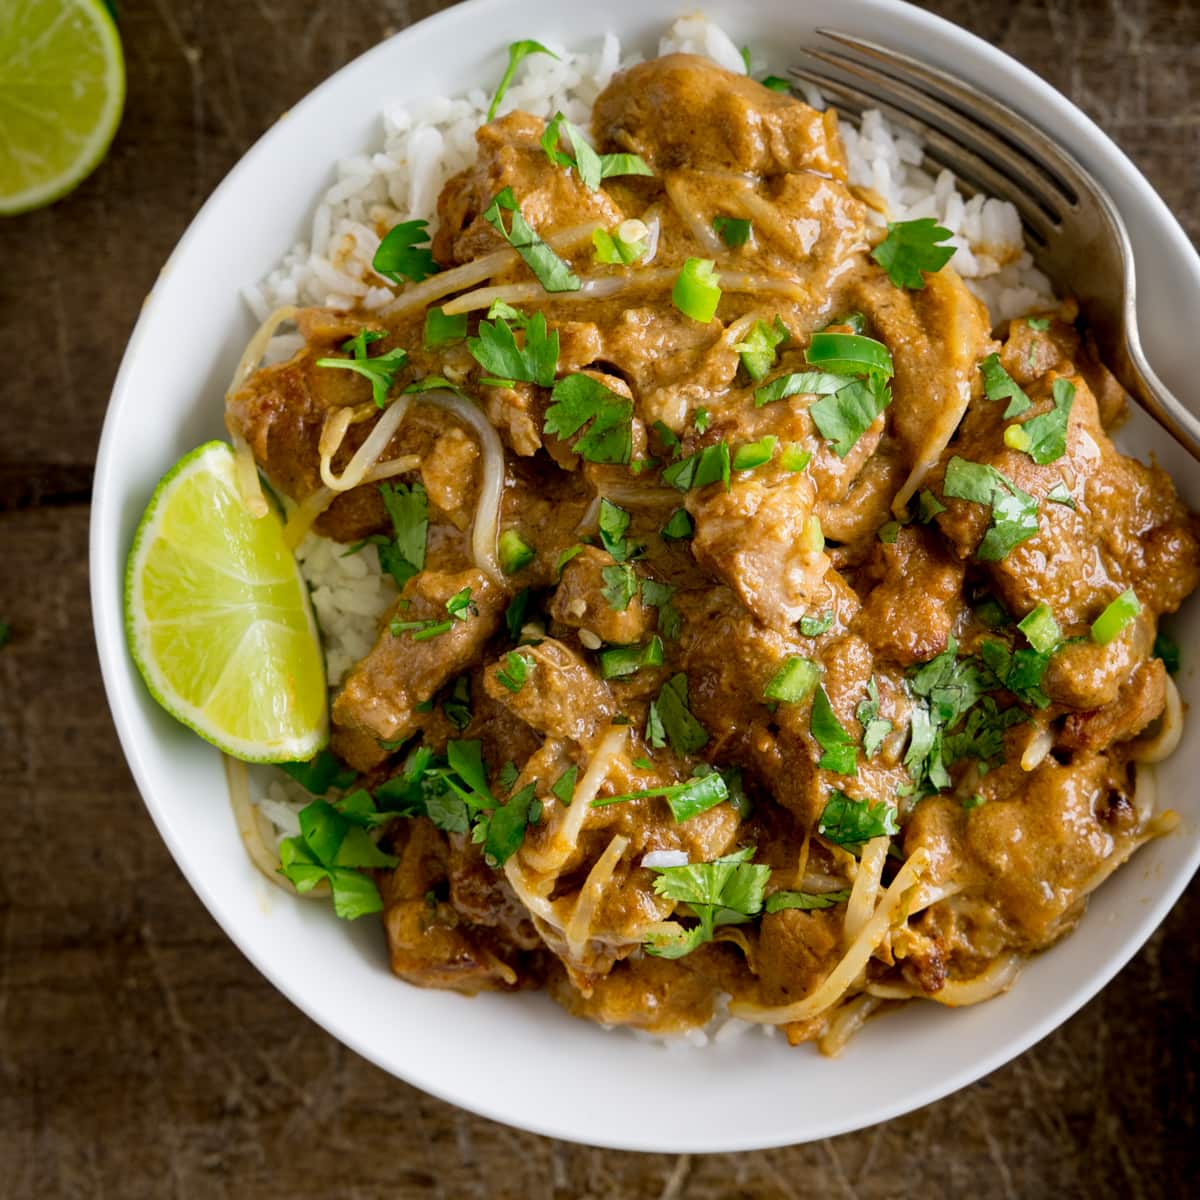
(380, 371)
(910, 248)
(1014, 512)
(801, 383)
(620, 586)
(928, 506)
(552, 273)
(840, 750)
(404, 253)
(733, 231)
(1045, 436)
(679, 526)
(516, 612)
(805, 901)
(848, 822)
(580, 400)
(517, 53)
(514, 672)
(728, 891)
(497, 352)
(563, 788)
(711, 464)
(675, 720)
(686, 800)
(321, 773)
(614, 523)
(658, 595)
(408, 507)
(507, 825)
(443, 330)
(998, 384)
(875, 728)
(846, 415)
(591, 167)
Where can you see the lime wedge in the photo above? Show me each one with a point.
(62, 88)
(218, 618)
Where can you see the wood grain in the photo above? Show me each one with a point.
(140, 1055)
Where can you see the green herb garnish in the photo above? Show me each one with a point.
(757, 348)
(495, 349)
(515, 671)
(442, 329)
(708, 465)
(998, 384)
(579, 400)
(380, 371)
(517, 53)
(850, 823)
(911, 249)
(733, 231)
(1014, 512)
(840, 749)
(404, 253)
(805, 901)
(552, 273)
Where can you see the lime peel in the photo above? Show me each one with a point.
(218, 619)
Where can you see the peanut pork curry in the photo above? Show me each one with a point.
(772, 631)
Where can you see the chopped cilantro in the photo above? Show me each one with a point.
(697, 291)
(1020, 671)
(1041, 324)
(1014, 512)
(678, 527)
(514, 672)
(508, 775)
(801, 383)
(840, 751)
(675, 720)
(757, 347)
(928, 506)
(1045, 436)
(658, 595)
(700, 420)
(516, 612)
(580, 400)
(711, 464)
(563, 788)
(614, 523)
(733, 231)
(565, 557)
(331, 847)
(848, 822)
(459, 607)
(497, 352)
(321, 773)
(875, 727)
(590, 166)
(443, 330)
(775, 83)
(998, 384)
(507, 824)
(686, 800)
(552, 273)
(517, 52)
(846, 415)
(975, 800)
(668, 438)
(408, 507)
(805, 901)
(1060, 494)
(404, 253)
(620, 586)
(1167, 648)
(912, 248)
(457, 705)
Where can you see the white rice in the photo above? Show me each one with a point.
(423, 143)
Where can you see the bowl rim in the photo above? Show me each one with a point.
(106, 570)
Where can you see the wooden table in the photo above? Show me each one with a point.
(140, 1054)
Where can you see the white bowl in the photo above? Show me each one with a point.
(519, 1059)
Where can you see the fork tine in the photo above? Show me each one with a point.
(1008, 126)
(1027, 174)
(967, 165)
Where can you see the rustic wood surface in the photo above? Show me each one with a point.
(140, 1054)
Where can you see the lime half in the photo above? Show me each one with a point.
(218, 617)
(62, 88)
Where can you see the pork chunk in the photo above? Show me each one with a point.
(380, 695)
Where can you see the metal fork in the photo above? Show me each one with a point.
(1077, 234)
